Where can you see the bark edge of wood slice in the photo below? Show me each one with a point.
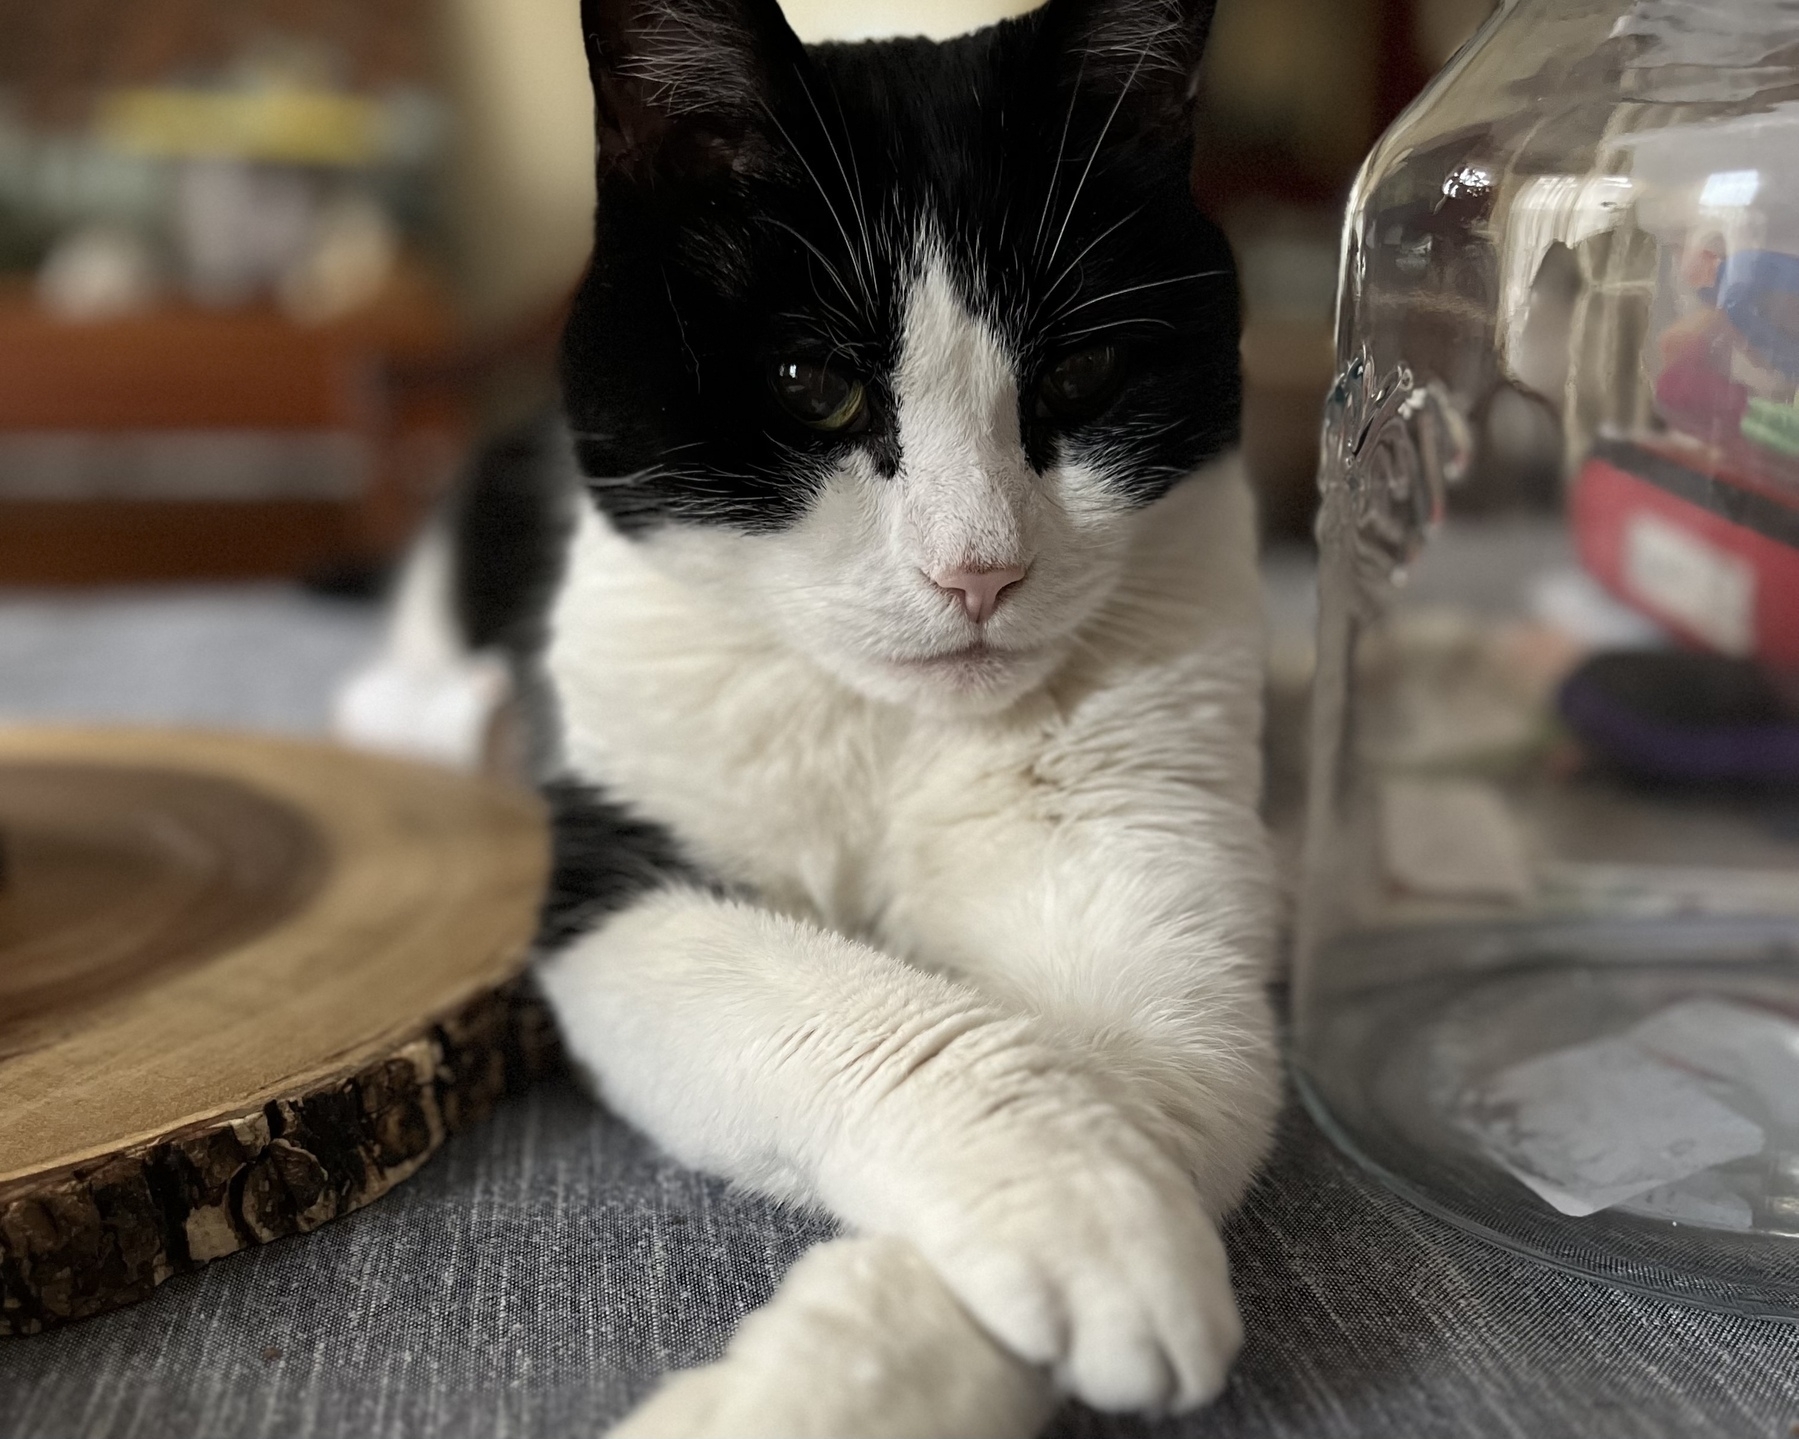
(294, 970)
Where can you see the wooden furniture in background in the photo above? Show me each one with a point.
(373, 411)
(249, 985)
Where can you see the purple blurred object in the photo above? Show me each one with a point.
(1683, 717)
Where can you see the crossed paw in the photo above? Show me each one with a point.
(1068, 1234)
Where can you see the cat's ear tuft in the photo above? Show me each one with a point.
(685, 85)
(1146, 52)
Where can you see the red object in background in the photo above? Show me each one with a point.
(1699, 393)
(1714, 557)
(1695, 396)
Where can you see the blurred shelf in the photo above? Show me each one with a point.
(391, 387)
(95, 542)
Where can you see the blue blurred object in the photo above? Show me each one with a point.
(1759, 291)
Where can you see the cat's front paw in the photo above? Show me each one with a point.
(861, 1341)
(1074, 1240)
(1112, 1277)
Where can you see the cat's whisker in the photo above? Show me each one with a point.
(855, 164)
(681, 326)
(819, 254)
(843, 334)
(845, 325)
(1134, 289)
(1074, 264)
(1055, 170)
(1093, 155)
(1141, 322)
(853, 193)
(823, 194)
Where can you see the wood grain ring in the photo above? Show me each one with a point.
(246, 985)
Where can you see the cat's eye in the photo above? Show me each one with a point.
(1079, 384)
(821, 397)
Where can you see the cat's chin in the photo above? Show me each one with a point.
(968, 682)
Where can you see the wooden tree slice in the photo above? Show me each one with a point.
(246, 985)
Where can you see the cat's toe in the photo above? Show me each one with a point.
(1157, 1326)
(1205, 1342)
(1117, 1362)
(1186, 1285)
(861, 1341)
(1015, 1300)
(1068, 1234)
(1118, 1285)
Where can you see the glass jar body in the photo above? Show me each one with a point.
(1547, 965)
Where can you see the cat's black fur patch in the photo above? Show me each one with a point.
(509, 527)
(509, 524)
(602, 858)
(758, 201)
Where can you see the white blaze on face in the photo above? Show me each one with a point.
(964, 484)
(850, 584)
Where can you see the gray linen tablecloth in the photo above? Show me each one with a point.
(540, 1273)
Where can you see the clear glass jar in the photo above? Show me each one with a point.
(1547, 963)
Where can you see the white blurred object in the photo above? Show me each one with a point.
(1735, 179)
(240, 226)
(445, 714)
(1579, 606)
(1454, 839)
(99, 273)
(1592, 1125)
(425, 695)
(354, 247)
(1723, 35)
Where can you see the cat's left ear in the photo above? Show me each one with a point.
(1143, 53)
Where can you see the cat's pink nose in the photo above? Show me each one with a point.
(980, 587)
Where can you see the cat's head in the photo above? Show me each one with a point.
(888, 345)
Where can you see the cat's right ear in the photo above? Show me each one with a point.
(685, 86)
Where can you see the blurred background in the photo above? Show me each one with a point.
(267, 266)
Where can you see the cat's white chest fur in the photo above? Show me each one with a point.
(773, 776)
(779, 778)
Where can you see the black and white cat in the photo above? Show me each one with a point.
(897, 656)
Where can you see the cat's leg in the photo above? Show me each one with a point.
(1107, 876)
(1107, 870)
(1149, 1025)
(1130, 925)
(814, 1067)
(1142, 958)
(862, 1341)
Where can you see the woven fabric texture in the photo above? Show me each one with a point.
(540, 1274)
